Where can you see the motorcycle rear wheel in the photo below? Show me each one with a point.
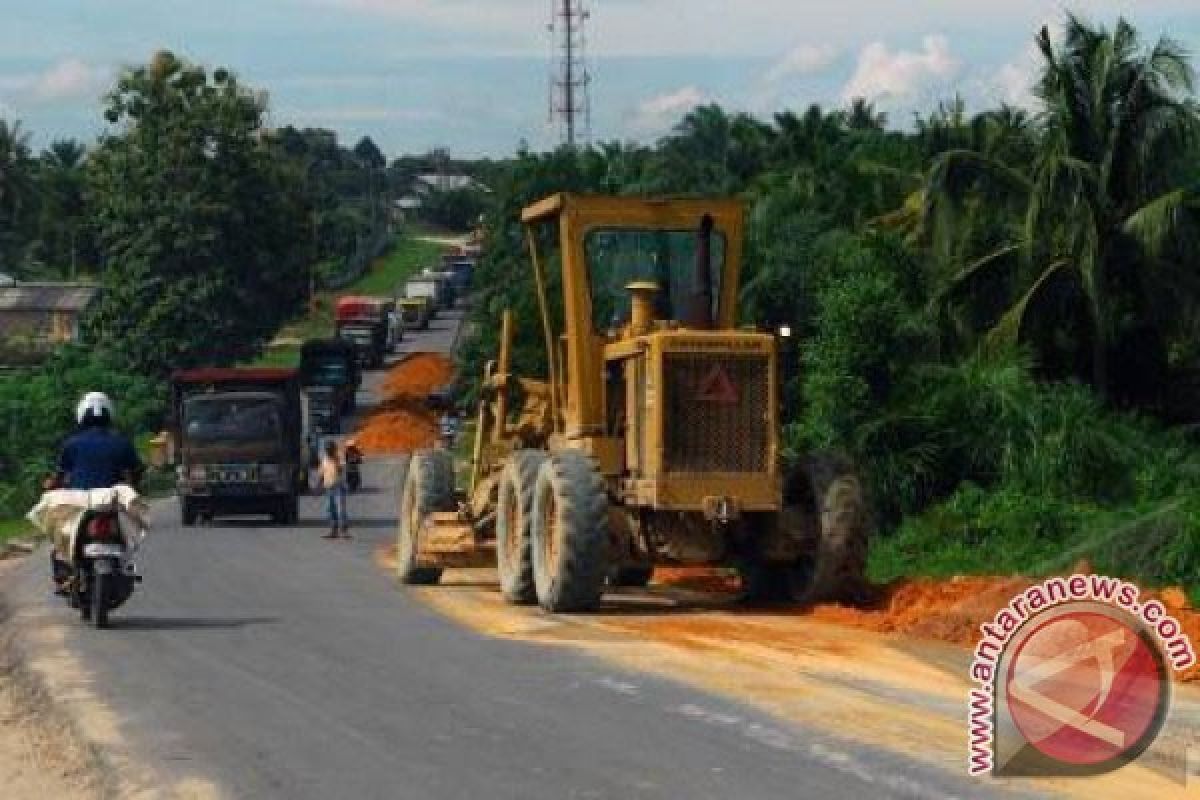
(100, 592)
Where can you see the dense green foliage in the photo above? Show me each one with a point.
(995, 314)
(37, 409)
(201, 227)
(199, 224)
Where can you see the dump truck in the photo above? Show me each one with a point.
(447, 296)
(332, 363)
(427, 287)
(414, 312)
(650, 436)
(241, 440)
(366, 322)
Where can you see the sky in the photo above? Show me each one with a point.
(472, 76)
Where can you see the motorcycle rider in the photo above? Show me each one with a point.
(94, 457)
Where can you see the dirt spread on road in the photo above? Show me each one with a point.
(402, 422)
(899, 693)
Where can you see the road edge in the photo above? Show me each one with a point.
(34, 696)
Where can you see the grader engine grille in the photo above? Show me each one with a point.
(715, 413)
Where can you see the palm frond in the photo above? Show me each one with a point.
(1169, 223)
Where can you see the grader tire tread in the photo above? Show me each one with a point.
(514, 560)
(429, 485)
(570, 577)
(839, 568)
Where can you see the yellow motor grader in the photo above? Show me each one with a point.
(652, 436)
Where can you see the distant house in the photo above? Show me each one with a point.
(37, 317)
(426, 184)
(423, 186)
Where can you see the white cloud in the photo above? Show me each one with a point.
(658, 114)
(882, 74)
(69, 79)
(1014, 81)
(804, 59)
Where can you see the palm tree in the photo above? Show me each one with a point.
(60, 186)
(1100, 213)
(15, 181)
(16, 186)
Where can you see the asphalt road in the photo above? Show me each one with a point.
(281, 665)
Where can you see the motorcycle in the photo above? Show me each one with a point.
(354, 459)
(96, 534)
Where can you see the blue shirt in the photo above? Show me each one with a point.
(97, 458)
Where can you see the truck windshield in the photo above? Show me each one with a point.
(328, 373)
(213, 419)
(617, 257)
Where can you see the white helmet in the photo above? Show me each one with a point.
(96, 404)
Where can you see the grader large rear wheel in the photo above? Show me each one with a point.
(428, 487)
(514, 514)
(826, 514)
(838, 570)
(569, 533)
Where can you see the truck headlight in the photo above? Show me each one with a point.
(197, 472)
(269, 473)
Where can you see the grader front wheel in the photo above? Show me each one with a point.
(514, 514)
(569, 533)
(428, 487)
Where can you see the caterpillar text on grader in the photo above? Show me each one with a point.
(653, 437)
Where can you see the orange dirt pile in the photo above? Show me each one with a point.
(417, 376)
(952, 610)
(947, 610)
(701, 579)
(401, 423)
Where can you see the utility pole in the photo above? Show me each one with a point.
(570, 102)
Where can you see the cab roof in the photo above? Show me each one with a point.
(648, 212)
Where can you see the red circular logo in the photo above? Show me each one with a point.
(1085, 688)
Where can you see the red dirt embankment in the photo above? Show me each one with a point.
(401, 423)
(948, 610)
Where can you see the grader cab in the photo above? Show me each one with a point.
(651, 436)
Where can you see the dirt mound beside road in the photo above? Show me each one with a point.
(402, 423)
(947, 610)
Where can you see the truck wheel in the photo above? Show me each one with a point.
(514, 559)
(569, 533)
(187, 512)
(428, 487)
(637, 577)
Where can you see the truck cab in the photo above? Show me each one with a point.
(331, 364)
(241, 437)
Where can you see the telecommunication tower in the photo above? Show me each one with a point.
(570, 103)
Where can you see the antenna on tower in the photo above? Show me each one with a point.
(570, 102)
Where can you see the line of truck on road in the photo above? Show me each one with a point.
(244, 440)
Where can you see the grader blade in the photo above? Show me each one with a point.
(448, 541)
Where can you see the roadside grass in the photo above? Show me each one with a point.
(407, 256)
(19, 528)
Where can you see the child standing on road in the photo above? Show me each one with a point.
(332, 473)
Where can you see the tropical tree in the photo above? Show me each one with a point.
(62, 216)
(203, 229)
(16, 185)
(1101, 214)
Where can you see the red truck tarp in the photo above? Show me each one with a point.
(353, 307)
(220, 375)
